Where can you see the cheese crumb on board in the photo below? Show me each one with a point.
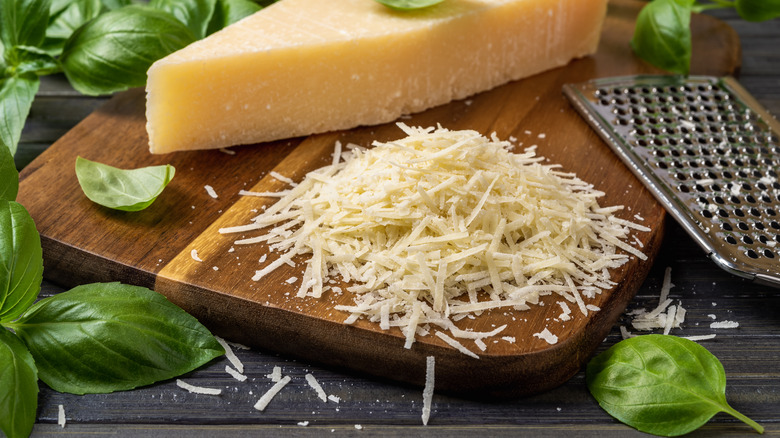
(430, 365)
(266, 398)
(566, 311)
(547, 336)
(210, 190)
(194, 255)
(418, 224)
(282, 178)
(197, 389)
(456, 345)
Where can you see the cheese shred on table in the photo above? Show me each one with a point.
(442, 223)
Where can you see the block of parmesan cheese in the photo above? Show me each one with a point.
(307, 66)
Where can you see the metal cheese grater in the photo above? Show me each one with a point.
(708, 152)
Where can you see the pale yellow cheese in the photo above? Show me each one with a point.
(306, 66)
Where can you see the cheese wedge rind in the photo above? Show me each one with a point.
(307, 66)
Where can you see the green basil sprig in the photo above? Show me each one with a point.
(120, 189)
(94, 338)
(663, 385)
(107, 337)
(102, 46)
(22, 23)
(18, 386)
(662, 35)
(406, 5)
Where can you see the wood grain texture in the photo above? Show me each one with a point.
(84, 242)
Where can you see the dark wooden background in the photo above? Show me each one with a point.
(750, 353)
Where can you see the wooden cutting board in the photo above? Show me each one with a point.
(84, 242)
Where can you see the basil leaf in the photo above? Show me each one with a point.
(127, 190)
(662, 35)
(195, 14)
(32, 60)
(18, 387)
(21, 262)
(9, 177)
(66, 17)
(16, 97)
(113, 52)
(228, 12)
(660, 384)
(107, 337)
(23, 22)
(758, 10)
(409, 4)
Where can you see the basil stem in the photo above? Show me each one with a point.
(106, 337)
(18, 387)
(21, 261)
(28, 60)
(127, 190)
(660, 384)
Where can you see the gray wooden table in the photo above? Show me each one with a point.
(749, 353)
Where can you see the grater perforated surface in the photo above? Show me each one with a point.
(708, 152)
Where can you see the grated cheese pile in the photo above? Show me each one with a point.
(444, 223)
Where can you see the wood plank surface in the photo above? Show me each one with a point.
(84, 242)
(750, 353)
